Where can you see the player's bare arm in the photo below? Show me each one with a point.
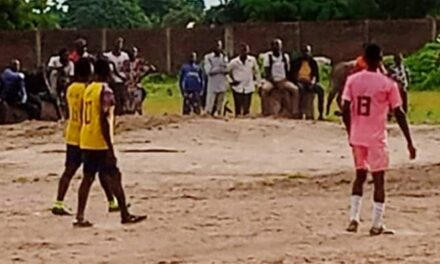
(346, 117)
(403, 124)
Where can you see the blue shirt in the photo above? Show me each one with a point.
(191, 78)
(13, 86)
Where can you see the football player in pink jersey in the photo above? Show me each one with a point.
(367, 98)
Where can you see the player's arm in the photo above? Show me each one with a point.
(107, 102)
(346, 105)
(403, 124)
(346, 115)
(396, 104)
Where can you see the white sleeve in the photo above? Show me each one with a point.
(287, 60)
(231, 65)
(71, 69)
(52, 62)
(266, 61)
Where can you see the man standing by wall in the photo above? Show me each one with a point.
(244, 72)
(216, 69)
(191, 85)
(118, 59)
(305, 73)
(276, 67)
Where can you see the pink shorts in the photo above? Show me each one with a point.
(374, 159)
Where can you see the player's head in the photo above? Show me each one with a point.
(373, 55)
(244, 49)
(64, 55)
(398, 58)
(193, 57)
(307, 50)
(81, 45)
(102, 70)
(15, 65)
(218, 46)
(277, 45)
(119, 44)
(83, 70)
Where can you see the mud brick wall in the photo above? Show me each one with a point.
(151, 44)
(401, 35)
(168, 48)
(184, 41)
(53, 41)
(20, 45)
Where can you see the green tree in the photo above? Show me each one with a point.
(104, 14)
(173, 12)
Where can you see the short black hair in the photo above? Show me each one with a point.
(102, 68)
(83, 68)
(62, 52)
(373, 53)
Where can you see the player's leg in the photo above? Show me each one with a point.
(106, 186)
(247, 104)
(90, 168)
(115, 178)
(73, 162)
(378, 160)
(360, 157)
(379, 203)
(319, 90)
(196, 103)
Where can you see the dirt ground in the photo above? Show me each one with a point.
(219, 191)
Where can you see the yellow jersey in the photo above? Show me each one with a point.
(91, 132)
(305, 72)
(74, 97)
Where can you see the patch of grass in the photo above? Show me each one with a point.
(164, 98)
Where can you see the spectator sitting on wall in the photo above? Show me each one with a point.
(14, 90)
(244, 72)
(399, 72)
(276, 68)
(216, 69)
(80, 51)
(118, 58)
(305, 73)
(191, 85)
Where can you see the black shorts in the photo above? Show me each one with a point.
(73, 156)
(95, 161)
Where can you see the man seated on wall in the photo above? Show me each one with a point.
(305, 74)
(276, 68)
(13, 90)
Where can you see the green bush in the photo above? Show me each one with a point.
(423, 67)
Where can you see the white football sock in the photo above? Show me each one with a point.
(378, 211)
(355, 211)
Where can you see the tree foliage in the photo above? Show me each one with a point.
(104, 14)
(26, 14)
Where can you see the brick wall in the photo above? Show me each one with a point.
(169, 48)
(20, 45)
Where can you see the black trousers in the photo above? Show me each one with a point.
(192, 103)
(318, 90)
(242, 103)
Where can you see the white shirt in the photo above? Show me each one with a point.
(55, 62)
(119, 64)
(244, 73)
(216, 68)
(278, 66)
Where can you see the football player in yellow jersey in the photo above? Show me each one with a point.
(75, 94)
(96, 143)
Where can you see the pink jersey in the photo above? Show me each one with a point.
(371, 96)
